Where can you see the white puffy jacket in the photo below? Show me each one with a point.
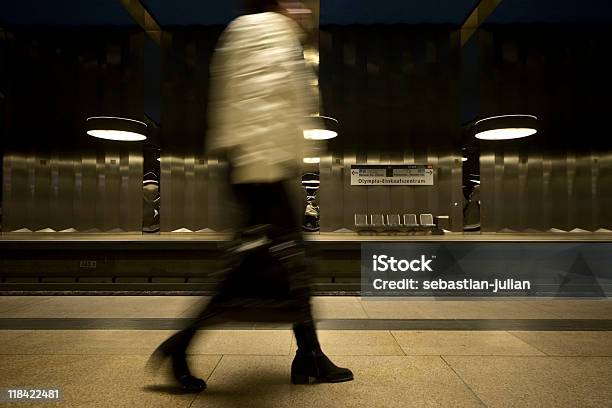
(261, 92)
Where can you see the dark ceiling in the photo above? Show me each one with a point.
(551, 11)
(395, 11)
(64, 12)
(192, 12)
(210, 12)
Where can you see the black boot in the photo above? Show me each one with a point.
(181, 373)
(180, 368)
(317, 365)
(310, 361)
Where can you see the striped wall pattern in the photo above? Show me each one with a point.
(561, 178)
(533, 190)
(195, 194)
(395, 91)
(85, 192)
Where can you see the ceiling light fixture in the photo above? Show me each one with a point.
(505, 127)
(328, 130)
(115, 128)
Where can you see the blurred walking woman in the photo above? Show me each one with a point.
(260, 96)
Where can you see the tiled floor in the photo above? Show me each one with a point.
(393, 368)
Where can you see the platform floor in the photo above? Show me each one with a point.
(522, 353)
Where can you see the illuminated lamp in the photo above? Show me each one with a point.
(115, 128)
(326, 128)
(505, 127)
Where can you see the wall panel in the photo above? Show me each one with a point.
(73, 192)
(54, 175)
(554, 180)
(550, 192)
(395, 92)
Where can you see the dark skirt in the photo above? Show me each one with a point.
(267, 279)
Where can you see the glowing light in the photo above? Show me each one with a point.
(329, 130)
(505, 127)
(319, 134)
(505, 134)
(115, 128)
(119, 135)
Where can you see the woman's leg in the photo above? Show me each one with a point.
(310, 361)
(175, 347)
(267, 205)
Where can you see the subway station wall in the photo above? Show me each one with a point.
(192, 186)
(54, 176)
(395, 91)
(535, 190)
(561, 178)
(77, 192)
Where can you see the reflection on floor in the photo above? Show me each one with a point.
(486, 365)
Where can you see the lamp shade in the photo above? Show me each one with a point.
(321, 128)
(115, 128)
(505, 127)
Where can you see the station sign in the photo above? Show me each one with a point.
(392, 175)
